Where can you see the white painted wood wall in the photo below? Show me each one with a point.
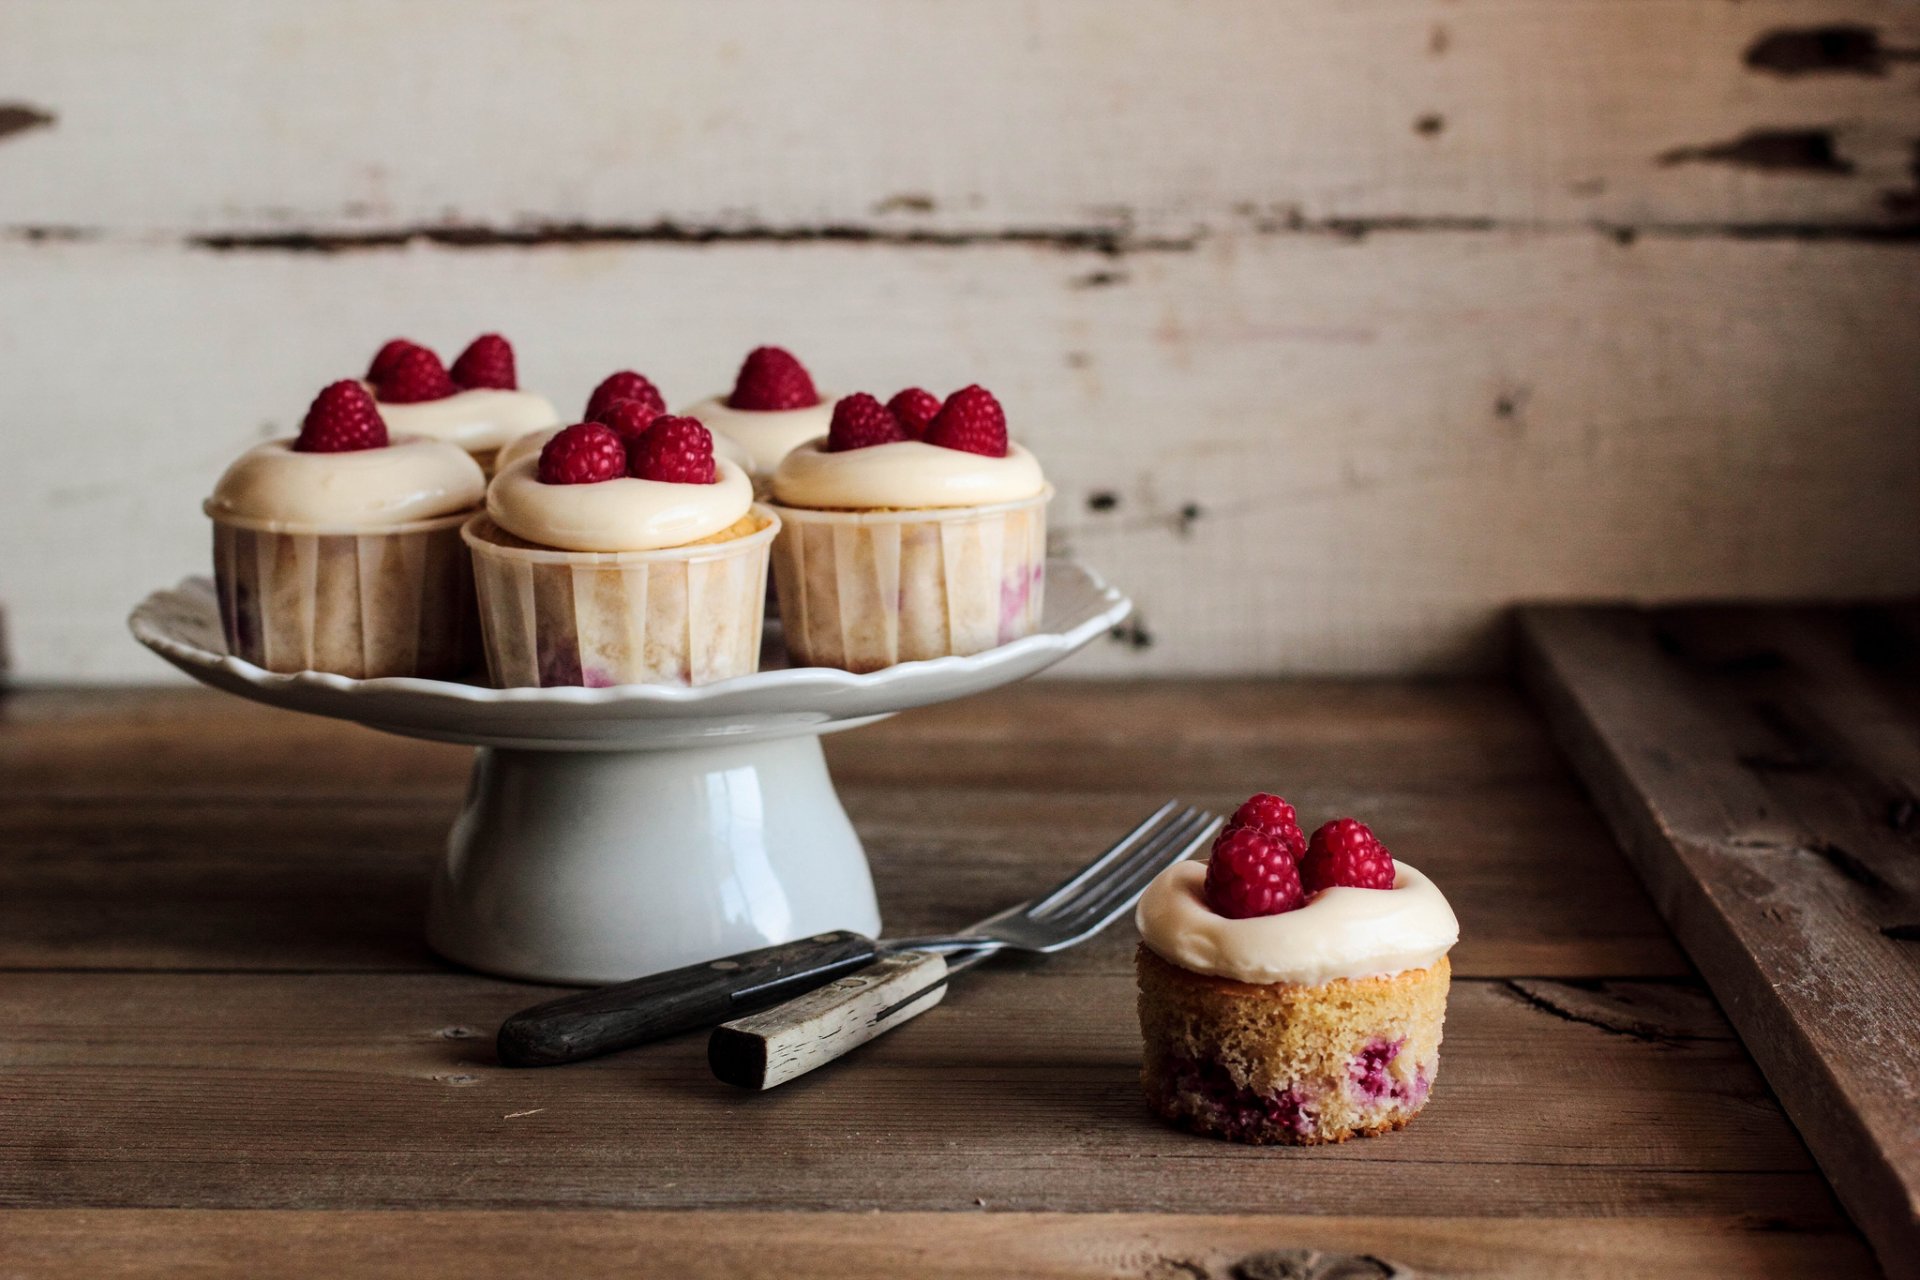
(1370, 317)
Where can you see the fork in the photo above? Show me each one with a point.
(769, 1048)
(589, 1023)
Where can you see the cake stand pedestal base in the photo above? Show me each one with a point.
(597, 866)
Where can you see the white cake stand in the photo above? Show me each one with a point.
(612, 833)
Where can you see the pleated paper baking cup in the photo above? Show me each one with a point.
(862, 590)
(393, 602)
(681, 615)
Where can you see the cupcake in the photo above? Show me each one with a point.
(340, 550)
(1292, 992)
(478, 405)
(773, 408)
(604, 561)
(900, 543)
(625, 401)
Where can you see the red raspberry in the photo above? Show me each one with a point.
(487, 362)
(414, 375)
(771, 379)
(915, 409)
(676, 450)
(1345, 852)
(628, 418)
(383, 359)
(859, 421)
(972, 420)
(584, 453)
(1275, 817)
(1251, 874)
(624, 385)
(342, 419)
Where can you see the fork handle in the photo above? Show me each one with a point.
(589, 1023)
(770, 1048)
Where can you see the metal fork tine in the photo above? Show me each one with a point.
(1055, 896)
(1147, 854)
(1123, 887)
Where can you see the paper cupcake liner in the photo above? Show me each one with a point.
(862, 590)
(397, 602)
(683, 615)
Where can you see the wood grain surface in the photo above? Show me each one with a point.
(1762, 768)
(1337, 328)
(215, 1000)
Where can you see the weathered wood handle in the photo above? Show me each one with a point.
(771, 1048)
(590, 1023)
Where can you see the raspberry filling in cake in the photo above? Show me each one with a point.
(772, 408)
(478, 404)
(1292, 990)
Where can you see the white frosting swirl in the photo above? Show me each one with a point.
(1340, 933)
(906, 474)
(625, 514)
(412, 478)
(530, 445)
(479, 420)
(764, 435)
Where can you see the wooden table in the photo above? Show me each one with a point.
(214, 999)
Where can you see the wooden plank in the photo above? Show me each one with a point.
(1441, 422)
(182, 829)
(105, 1245)
(378, 1091)
(1756, 777)
(866, 118)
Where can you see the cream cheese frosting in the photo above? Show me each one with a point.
(530, 445)
(905, 474)
(479, 420)
(625, 514)
(1340, 933)
(411, 478)
(764, 435)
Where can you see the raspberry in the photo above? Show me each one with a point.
(972, 420)
(915, 409)
(624, 385)
(771, 379)
(1251, 875)
(859, 421)
(676, 450)
(1274, 817)
(628, 418)
(487, 362)
(383, 359)
(414, 375)
(1344, 852)
(584, 453)
(342, 419)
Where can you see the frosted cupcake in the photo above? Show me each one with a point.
(340, 550)
(1292, 1002)
(895, 548)
(478, 405)
(772, 409)
(602, 561)
(625, 401)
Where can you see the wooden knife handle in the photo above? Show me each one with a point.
(589, 1023)
(771, 1048)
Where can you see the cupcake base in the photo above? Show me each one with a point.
(1289, 1063)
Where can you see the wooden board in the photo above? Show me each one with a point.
(224, 1044)
(1338, 328)
(1761, 768)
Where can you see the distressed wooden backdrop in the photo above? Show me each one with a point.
(1339, 325)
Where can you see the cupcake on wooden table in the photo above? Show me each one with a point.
(477, 405)
(1292, 991)
(626, 401)
(911, 531)
(610, 559)
(339, 550)
(772, 408)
